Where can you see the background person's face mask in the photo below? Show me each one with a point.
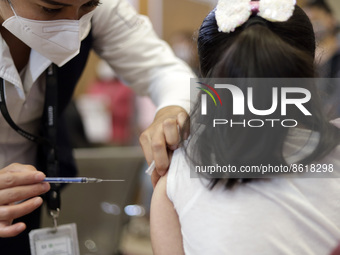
(57, 40)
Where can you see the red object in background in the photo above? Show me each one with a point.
(336, 251)
(121, 107)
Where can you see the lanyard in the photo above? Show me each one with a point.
(48, 142)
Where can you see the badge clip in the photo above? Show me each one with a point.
(55, 215)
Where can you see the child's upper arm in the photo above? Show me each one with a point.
(166, 234)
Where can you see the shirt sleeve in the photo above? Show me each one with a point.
(127, 41)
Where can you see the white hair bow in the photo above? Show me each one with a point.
(231, 14)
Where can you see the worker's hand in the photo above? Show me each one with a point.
(162, 137)
(17, 183)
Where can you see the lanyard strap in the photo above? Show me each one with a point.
(50, 127)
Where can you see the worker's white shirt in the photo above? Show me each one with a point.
(126, 41)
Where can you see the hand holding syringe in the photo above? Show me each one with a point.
(77, 180)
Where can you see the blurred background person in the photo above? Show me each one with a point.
(326, 30)
(108, 108)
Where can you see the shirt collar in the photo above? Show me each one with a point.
(7, 68)
(37, 64)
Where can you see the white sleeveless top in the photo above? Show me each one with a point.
(275, 216)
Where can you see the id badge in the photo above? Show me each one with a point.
(50, 241)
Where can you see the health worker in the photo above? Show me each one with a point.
(44, 45)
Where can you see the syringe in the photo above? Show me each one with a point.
(77, 180)
(151, 168)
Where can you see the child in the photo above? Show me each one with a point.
(242, 215)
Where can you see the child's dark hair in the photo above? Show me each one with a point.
(257, 49)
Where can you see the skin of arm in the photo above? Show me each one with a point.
(166, 237)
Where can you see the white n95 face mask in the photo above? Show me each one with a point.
(57, 40)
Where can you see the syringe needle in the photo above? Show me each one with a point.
(100, 180)
(95, 180)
